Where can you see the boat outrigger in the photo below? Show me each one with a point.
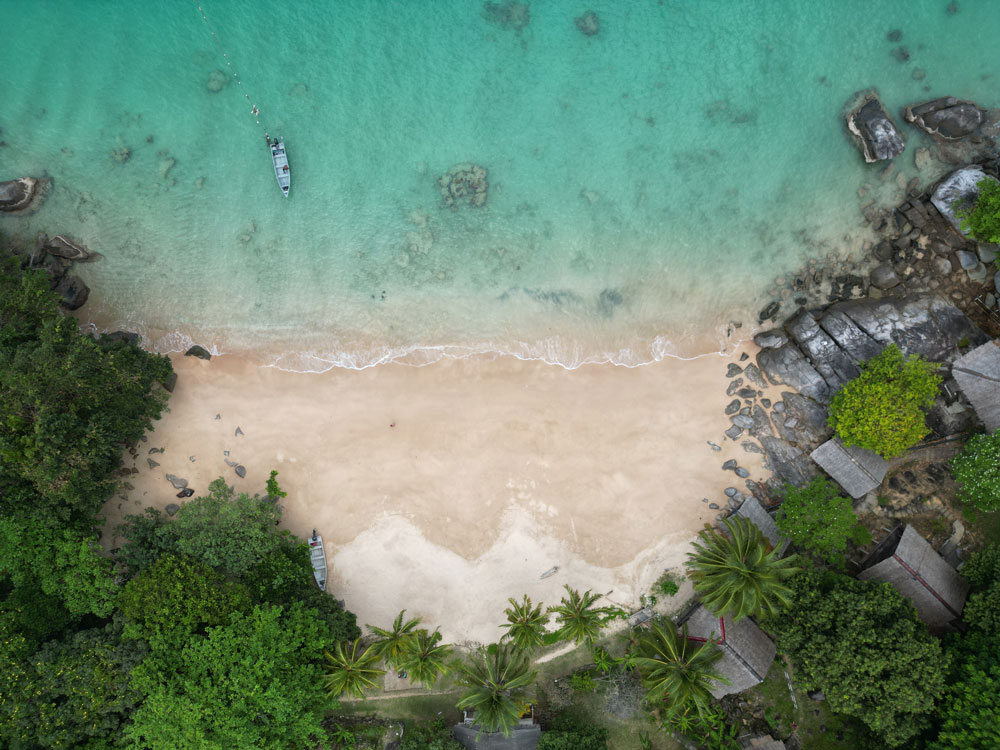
(280, 159)
(318, 557)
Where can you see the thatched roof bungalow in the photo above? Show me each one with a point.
(856, 470)
(747, 652)
(907, 561)
(752, 510)
(978, 375)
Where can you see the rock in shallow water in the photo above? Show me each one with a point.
(588, 24)
(878, 135)
(948, 118)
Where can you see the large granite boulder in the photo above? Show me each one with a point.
(73, 291)
(786, 365)
(878, 135)
(62, 247)
(830, 361)
(198, 351)
(958, 190)
(788, 462)
(858, 345)
(947, 117)
(19, 196)
(803, 421)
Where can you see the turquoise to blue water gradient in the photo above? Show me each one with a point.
(646, 183)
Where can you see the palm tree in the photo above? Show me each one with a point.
(579, 620)
(496, 677)
(525, 624)
(392, 645)
(738, 573)
(676, 669)
(350, 670)
(425, 660)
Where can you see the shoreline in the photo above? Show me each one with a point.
(488, 471)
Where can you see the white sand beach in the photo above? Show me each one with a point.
(448, 488)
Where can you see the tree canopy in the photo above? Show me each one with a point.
(861, 643)
(881, 410)
(977, 470)
(982, 219)
(819, 520)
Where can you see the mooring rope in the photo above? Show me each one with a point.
(254, 110)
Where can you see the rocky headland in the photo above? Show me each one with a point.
(56, 256)
(23, 195)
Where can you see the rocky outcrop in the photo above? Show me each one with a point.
(958, 190)
(802, 421)
(788, 462)
(786, 365)
(947, 117)
(62, 247)
(834, 365)
(198, 351)
(73, 291)
(877, 134)
(464, 184)
(21, 195)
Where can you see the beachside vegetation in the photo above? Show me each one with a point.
(820, 521)
(737, 573)
(982, 219)
(677, 671)
(860, 642)
(977, 471)
(497, 679)
(525, 624)
(351, 669)
(580, 619)
(433, 735)
(427, 658)
(970, 706)
(882, 410)
(395, 643)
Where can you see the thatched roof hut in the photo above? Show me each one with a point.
(856, 470)
(907, 561)
(753, 511)
(747, 652)
(978, 375)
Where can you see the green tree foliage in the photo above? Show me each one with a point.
(708, 730)
(569, 734)
(496, 679)
(983, 218)
(351, 669)
(580, 620)
(435, 735)
(971, 704)
(426, 659)
(273, 490)
(65, 563)
(819, 520)
(251, 683)
(977, 470)
(395, 643)
(881, 410)
(177, 596)
(676, 670)
(228, 531)
(737, 573)
(525, 624)
(69, 404)
(982, 571)
(860, 642)
(33, 614)
(72, 693)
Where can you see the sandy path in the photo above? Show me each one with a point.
(446, 489)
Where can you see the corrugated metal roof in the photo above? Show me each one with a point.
(747, 652)
(856, 470)
(978, 375)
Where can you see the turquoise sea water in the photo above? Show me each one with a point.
(646, 183)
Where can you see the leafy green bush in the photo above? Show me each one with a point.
(861, 643)
(819, 520)
(435, 735)
(881, 410)
(982, 571)
(666, 584)
(983, 218)
(69, 404)
(968, 713)
(568, 733)
(977, 470)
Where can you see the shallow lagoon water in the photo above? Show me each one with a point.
(647, 184)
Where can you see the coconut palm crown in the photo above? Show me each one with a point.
(350, 670)
(737, 573)
(677, 670)
(579, 620)
(525, 624)
(426, 660)
(394, 644)
(496, 678)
